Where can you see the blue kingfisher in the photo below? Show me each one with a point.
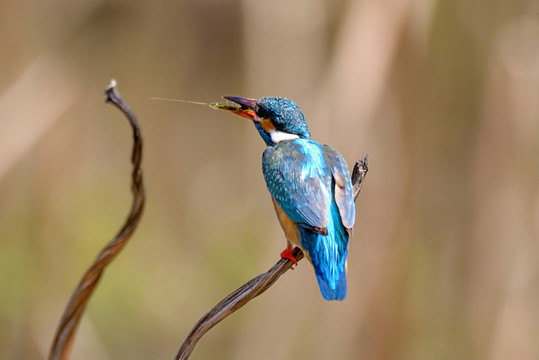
(310, 187)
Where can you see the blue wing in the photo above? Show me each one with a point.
(344, 193)
(299, 180)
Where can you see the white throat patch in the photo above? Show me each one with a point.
(278, 136)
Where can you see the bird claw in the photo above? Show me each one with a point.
(287, 254)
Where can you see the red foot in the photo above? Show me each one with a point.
(287, 254)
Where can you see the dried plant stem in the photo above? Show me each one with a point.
(65, 333)
(254, 287)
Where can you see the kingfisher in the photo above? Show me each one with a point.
(310, 188)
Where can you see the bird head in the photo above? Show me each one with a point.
(276, 118)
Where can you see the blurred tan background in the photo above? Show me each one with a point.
(443, 95)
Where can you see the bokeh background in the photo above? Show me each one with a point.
(443, 95)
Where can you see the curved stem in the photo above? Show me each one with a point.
(65, 333)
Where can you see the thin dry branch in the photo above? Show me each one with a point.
(256, 286)
(65, 333)
(358, 174)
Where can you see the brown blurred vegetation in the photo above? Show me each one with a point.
(443, 95)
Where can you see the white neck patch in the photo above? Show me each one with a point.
(278, 136)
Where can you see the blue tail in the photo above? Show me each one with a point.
(338, 292)
(328, 255)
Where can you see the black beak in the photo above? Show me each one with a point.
(247, 107)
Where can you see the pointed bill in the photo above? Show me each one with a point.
(247, 107)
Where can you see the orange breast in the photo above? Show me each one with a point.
(290, 228)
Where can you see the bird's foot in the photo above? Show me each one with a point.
(287, 254)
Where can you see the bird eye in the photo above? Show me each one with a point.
(258, 110)
(263, 112)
